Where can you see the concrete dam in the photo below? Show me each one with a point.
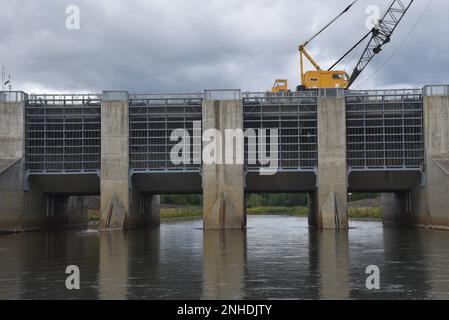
(57, 149)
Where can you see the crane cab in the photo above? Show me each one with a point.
(280, 85)
(320, 79)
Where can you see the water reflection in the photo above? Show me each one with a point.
(275, 258)
(144, 270)
(113, 265)
(224, 264)
(329, 261)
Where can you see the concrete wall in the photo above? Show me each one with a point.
(223, 185)
(28, 210)
(435, 210)
(12, 199)
(332, 180)
(12, 151)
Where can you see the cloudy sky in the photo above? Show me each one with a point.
(183, 46)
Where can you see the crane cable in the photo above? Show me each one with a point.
(400, 46)
(330, 23)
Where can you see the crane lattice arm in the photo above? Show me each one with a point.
(381, 35)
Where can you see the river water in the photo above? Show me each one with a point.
(277, 257)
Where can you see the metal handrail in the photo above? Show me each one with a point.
(64, 97)
(384, 92)
(12, 96)
(436, 90)
(164, 96)
(223, 94)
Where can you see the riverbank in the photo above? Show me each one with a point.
(177, 212)
(353, 213)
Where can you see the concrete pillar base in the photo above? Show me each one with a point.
(113, 211)
(143, 212)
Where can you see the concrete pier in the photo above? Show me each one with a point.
(435, 211)
(122, 207)
(114, 186)
(332, 181)
(223, 184)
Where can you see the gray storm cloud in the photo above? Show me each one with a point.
(178, 45)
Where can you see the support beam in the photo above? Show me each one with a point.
(331, 202)
(223, 184)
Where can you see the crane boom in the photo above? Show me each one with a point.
(328, 25)
(381, 35)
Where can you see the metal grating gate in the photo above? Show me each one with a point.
(63, 134)
(295, 117)
(384, 129)
(153, 118)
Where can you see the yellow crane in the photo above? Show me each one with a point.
(324, 79)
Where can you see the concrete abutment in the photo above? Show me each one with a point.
(28, 209)
(432, 201)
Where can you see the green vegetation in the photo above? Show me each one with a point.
(190, 212)
(182, 199)
(257, 204)
(362, 196)
(365, 213)
(276, 200)
(294, 211)
(187, 212)
(93, 215)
